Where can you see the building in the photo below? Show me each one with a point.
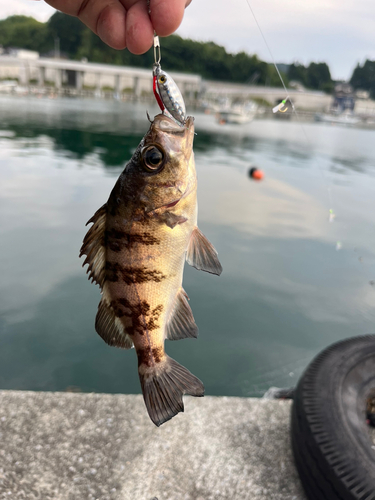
(343, 98)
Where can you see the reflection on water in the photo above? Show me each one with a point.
(285, 292)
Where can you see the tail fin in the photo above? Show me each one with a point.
(163, 387)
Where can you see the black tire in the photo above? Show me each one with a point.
(332, 445)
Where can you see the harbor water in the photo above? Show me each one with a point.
(297, 249)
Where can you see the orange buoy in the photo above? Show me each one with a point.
(256, 174)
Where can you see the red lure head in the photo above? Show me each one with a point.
(156, 94)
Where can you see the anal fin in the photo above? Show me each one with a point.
(110, 328)
(181, 324)
(201, 254)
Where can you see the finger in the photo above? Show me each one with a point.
(139, 30)
(110, 26)
(106, 18)
(166, 15)
(71, 7)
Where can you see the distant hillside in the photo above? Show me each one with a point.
(205, 58)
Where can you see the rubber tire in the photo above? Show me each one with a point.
(331, 441)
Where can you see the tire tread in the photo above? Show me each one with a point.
(320, 459)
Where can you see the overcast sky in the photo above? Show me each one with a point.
(339, 32)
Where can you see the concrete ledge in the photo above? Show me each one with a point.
(100, 446)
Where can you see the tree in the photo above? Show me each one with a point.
(318, 77)
(273, 79)
(363, 77)
(69, 30)
(298, 72)
(23, 32)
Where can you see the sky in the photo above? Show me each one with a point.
(338, 32)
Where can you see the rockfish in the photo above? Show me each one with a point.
(136, 249)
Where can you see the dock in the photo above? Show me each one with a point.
(74, 446)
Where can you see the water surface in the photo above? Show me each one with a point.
(292, 283)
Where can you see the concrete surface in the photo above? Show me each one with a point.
(65, 446)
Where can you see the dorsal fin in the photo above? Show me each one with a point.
(94, 246)
(110, 328)
(201, 254)
(181, 324)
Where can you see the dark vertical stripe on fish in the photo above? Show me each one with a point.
(132, 275)
(143, 318)
(118, 240)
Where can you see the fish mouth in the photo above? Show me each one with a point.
(170, 126)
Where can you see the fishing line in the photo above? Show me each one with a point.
(279, 74)
(268, 47)
(280, 108)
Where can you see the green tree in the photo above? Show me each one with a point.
(318, 77)
(69, 30)
(363, 77)
(298, 72)
(273, 79)
(244, 67)
(23, 32)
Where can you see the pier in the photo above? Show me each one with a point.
(66, 77)
(66, 446)
(81, 78)
(61, 73)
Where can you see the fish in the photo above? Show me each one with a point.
(135, 250)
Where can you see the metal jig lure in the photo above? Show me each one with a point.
(166, 92)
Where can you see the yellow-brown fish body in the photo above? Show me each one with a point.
(136, 251)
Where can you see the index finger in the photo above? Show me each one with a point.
(166, 15)
(106, 18)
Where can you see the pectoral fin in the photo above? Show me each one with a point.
(201, 254)
(181, 324)
(110, 327)
(172, 220)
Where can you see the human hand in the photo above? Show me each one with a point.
(126, 23)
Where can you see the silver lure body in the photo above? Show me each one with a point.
(170, 95)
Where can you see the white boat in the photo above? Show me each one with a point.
(8, 86)
(339, 119)
(237, 113)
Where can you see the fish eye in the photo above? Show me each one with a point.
(153, 158)
(162, 79)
